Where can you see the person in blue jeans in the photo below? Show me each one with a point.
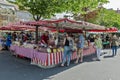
(8, 40)
(114, 50)
(67, 50)
(114, 45)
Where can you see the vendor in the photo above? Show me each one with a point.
(45, 38)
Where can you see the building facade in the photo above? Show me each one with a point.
(9, 13)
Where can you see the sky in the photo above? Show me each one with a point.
(113, 4)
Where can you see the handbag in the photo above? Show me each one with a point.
(116, 43)
(71, 45)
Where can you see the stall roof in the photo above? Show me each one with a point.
(107, 30)
(65, 23)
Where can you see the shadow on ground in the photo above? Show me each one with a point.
(109, 56)
(12, 68)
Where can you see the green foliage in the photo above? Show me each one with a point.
(47, 8)
(108, 18)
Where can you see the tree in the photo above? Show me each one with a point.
(89, 7)
(105, 17)
(88, 16)
(47, 8)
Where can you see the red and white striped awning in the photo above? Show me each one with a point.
(107, 30)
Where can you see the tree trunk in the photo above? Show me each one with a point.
(36, 18)
(36, 34)
(57, 27)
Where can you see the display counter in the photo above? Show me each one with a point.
(46, 60)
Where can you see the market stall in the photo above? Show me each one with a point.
(51, 56)
(106, 34)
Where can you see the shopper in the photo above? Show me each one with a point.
(98, 45)
(80, 46)
(8, 41)
(114, 45)
(67, 49)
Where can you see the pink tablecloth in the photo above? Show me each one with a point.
(40, 56)
(89, 51)
(45, 58)
(29, 53)
(13, 47)
(26, 52)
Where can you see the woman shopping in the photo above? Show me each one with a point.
(67, 49)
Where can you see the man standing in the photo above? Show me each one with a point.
(80, 46)
(114, 45)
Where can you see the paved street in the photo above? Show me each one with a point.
(12, 68)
